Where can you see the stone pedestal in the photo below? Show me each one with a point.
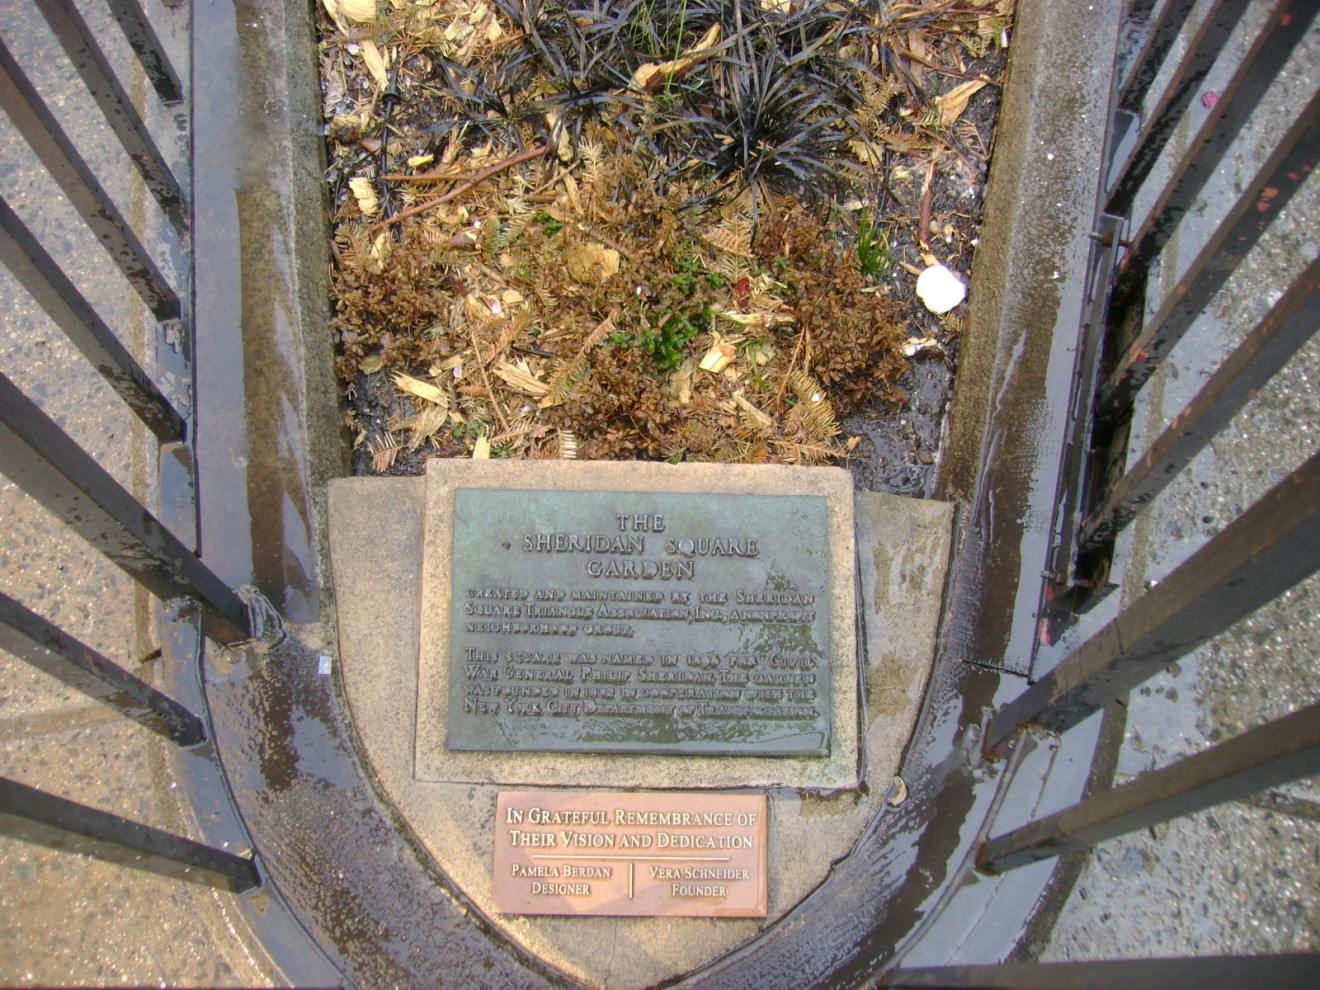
(403, 619)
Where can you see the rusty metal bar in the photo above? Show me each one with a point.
(50, 466)
(31, 638)
(1283, 331)
(1163, 33)
(1261, 554)
(1293, 159)
(1266, 756)
(35, 816)
(1164, 118)
(42, 277)
(34, 121)
(144, 41)
(1292, 971)
(78, 43)
(1238, 102)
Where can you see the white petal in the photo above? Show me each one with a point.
(940, 289)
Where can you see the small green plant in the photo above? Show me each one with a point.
(547, 223)
(873, 257)
(689, 272)
(668, 341)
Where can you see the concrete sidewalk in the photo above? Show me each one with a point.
(70, 919)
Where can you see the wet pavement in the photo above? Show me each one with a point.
(69, 919)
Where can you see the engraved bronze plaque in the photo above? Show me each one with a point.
(630, 855)
(640, 622)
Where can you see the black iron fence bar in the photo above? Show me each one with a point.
(1146, 66)
(34, 121)
(1288, 325)
(35, 816)
(146, 45)
(41, 276)
(1140, 9)
(1238, 102)
(1266, 756)
(1291, 971)
(1258, 556)
(47, 464)
(1270, 189)
(31, 638)
(1163, 119)
(76, 39)
(1077, 463)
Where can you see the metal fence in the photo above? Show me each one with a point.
(49, 465)
(1151, 187)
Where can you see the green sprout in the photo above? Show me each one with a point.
(873, 256)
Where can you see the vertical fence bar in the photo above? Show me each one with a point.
(1164, 118)
(34, 121)
(1288, 325)
(1261, 554)
(42, 277)
(1238, 102)
(77, 41)
(31, 638)
(35, 816)
(1163, 33)
(46, 463)
(1293, 159)
(1265, 756)
(146, 45)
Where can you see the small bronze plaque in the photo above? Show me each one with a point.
(640, 622)
(630, 855)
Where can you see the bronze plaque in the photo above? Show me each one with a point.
(630, 854)
(640, 622)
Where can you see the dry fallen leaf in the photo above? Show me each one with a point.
(365, 194)
(519, 376)
(429, 419)
(921, 345)
(752, 319)
(362, 11)
(867, 153)
(681, 383)
(375, 63)
(652, 76)
(592, 262)
(720, 354)
(954, 102)
(332, 8)
(559, 136)
(420, 389)
(757, 416)
(447, 365)
(481, 451)
(371, 364)
(568, 446)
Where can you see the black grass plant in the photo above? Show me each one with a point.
(771, 107)
(777, 111)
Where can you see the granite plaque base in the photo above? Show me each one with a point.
(388, 541)
(762, 692)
